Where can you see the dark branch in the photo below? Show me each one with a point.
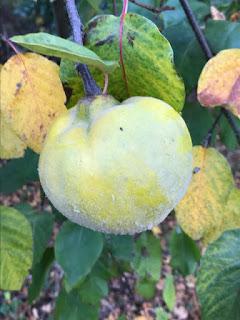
(207, 140)
(90, 86)
(233, 124)
(197, 30)
(209, 54)
(151, 8)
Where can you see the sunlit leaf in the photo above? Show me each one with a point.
(211, 204)
(15, 248)
(51, 45)
(219, 82)
(148, 59)
(32, 96)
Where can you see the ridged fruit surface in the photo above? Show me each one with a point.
(117, 168)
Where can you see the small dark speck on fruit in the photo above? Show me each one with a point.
(196, 170)
(121, 128)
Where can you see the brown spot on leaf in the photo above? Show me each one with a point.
(196, 170)
(18, 87)
(130, 38)
(107, 40)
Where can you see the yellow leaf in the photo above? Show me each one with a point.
(219, 82)
(10, 145)
(232, 211)
(207, 209)
(32, 96)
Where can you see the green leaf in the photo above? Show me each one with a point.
(218, 281)
(227, 134)
(93, 289)
(15, 248)
(185, 254)
(121, 247)
(173, 17)
(42, 225)
(169, 294)
(51, 45)
(18, 172)
(145, 288)
(188, 55)
(39, 274)
(198, 120)
(77, 249)
(161, 314)
(148, 257)
(148, 59)
(223, 34)
(70, 306)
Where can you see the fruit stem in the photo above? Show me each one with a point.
(209, 54)
(90, 86)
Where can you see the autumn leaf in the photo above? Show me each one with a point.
(32, 96)
(212, 203)
(219, 82)
(10, 145)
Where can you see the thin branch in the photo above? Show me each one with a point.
(115, 11)
(90, 86)
(207, 140)
(233, 124)
(196, 28)
(209, 54)
(151, 8)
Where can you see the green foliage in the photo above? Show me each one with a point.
(42, 224)
(176, 16)
(223, 34)
(218, 281)
(198, 120)
(77, 249)
(146, 263)
(169, 294)
(93, 289)
(15, 173)
(185, 254)
(121, 247)
(227, 135)
(70, 306)
(51, 45)
(16, 248)
(148, 73)
(188, 55)
(147, 260)
(39, 273)
(145, 288)
(161, 314)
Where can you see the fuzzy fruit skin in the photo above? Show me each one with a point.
(117, 168)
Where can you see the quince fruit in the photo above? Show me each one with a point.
(117, 168)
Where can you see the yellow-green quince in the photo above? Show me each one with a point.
(117, 168)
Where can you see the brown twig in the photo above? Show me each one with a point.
(151, 8)
(90, 86)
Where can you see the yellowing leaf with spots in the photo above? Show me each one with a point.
(211, 204)
(32, 96)
(10, 145)
(219, 82)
